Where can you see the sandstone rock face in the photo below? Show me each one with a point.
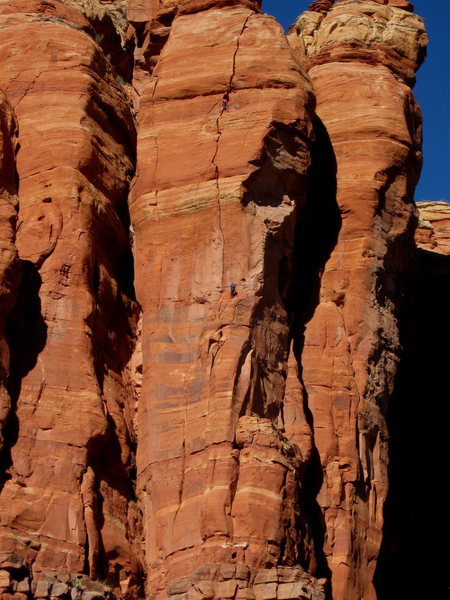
(322, 6)
(414, 514)
(220, 483)
(65, 508)
(206, 236)
(404, 4)
(358, 31)
(433, 231)
(355, 54)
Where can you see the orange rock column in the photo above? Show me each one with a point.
(214, 204)
(361, 58)
(67, 501)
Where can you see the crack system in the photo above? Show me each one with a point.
(219, 135)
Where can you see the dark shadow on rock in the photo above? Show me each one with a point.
(278, 182)
(416, 528)
(317, 233)
(278, 166)
(27, 336)
(112, 331)
(318, 227)
(295, 255)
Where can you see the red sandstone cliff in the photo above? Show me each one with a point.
(220, 483)
(361, 58)
(211, 422)
(67, 499)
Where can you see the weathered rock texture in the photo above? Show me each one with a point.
(220, 484)
(433, 231)
(67, 501)
(361, 57)
(206, 236)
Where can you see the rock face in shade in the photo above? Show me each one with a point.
(208, 302)
(220, 482)
(67, 500)
(9, 264)
(360, 58)
(419, 395)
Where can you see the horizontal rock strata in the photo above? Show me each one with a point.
(67, 501)
(360, 57)
(433, 230)
(222, 160)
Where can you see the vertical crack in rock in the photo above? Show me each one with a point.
(218, 136)
(238, 42)
(219, 209)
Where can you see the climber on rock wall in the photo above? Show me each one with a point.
(225, 102)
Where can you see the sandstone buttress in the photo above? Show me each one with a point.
(361, 58)
(207, 272)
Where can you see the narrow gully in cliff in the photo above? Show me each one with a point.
(291, 294)
(26, 332)
(316, 235)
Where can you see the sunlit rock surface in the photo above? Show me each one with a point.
(210, 301)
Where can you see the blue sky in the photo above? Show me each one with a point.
(432, 90)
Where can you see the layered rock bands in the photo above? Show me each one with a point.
(208, 277)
